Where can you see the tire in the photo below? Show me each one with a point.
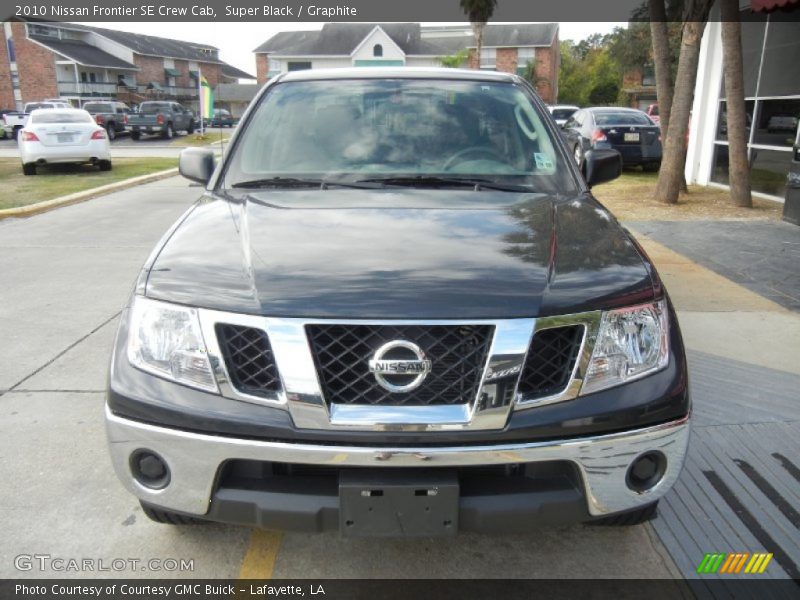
(111, 131)
(105, 165)
(651, 167)
(29, 168)
(169, 132)
(136, 136)
(190, 129)
(16, 132)
(634, 517)
(577, 154)
(167, 517)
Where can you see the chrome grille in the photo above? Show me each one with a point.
(342, 352)
(249, 359)
(550, 361)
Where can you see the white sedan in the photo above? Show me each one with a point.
(63, 135)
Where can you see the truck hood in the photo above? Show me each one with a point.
(400, 254)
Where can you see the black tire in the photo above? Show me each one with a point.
(168, 517)
(634, 517)
(136, 136)
(111, 130)
(29, 168)
(190, 130)
(105, 165)
(651, 167)
(16, 132)
(169, 132)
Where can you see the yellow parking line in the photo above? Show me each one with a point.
(259, 560)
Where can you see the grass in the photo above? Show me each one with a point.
(630, 198)
(195, 139)
(60, 180)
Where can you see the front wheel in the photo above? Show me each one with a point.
(168, 517)
(634, 517)
(190, 129)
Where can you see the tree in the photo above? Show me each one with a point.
(478, 12)
(454, 61)
(661, 60)
(738, 166)
(670, 176)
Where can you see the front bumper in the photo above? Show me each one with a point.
(196, 461)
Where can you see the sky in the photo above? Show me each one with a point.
(236, 41)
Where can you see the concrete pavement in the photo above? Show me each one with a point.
(66, 275)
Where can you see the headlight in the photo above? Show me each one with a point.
(165, 340)
(631, 343)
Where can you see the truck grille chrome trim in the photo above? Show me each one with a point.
(480, 397)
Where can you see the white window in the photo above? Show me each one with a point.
(488, 58)
(274, 65)
(525, 56)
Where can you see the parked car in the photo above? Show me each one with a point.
(627, 130)
(562, 112)
(15, 121)
(5, 133)
(63, 135)
(160, 118)
(222, 118)
(786, 123)
(399, 302)
(652, 112)
(113, 116)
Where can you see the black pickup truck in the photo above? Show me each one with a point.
(398, 310)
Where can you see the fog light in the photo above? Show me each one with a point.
(149, 469)
(646, 471)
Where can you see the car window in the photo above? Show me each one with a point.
(57, 116)
(354, 129)
(97, 107)
(621, 118)
(153, 107)
(563, 113)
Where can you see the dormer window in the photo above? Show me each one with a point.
(377, 50)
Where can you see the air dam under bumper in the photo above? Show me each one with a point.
(195, 460)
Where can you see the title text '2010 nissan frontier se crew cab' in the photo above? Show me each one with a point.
(397, 310)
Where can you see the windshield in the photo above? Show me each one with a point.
(353, 130)
(98, 107)
(563, 113)
(56, 116)
(621, 118)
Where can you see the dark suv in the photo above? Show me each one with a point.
(398, 310)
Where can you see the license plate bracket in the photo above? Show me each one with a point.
(631, 137)
(64, 138)
(396, 503)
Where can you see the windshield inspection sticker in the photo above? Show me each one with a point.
(542, 161)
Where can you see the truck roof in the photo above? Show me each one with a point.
(398, 73)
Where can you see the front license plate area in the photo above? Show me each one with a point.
(631, 137)
(397, 503)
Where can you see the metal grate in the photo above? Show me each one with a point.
(248, 357)
(342, 352)
(550, 361)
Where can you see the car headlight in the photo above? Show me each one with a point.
(165, 339)
(631, 343)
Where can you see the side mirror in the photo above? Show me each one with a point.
(601, 166)
(196, 164)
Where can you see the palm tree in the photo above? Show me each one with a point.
(478, 12)
(738, 166)
(661, 60)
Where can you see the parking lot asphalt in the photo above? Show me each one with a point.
(67, 273)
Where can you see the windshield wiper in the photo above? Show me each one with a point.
(296, 182)
(477, 183)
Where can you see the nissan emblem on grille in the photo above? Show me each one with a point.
(399, 366)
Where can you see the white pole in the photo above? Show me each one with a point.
(200, 98)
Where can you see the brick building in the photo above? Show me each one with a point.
(80, 63)
(509, 48)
